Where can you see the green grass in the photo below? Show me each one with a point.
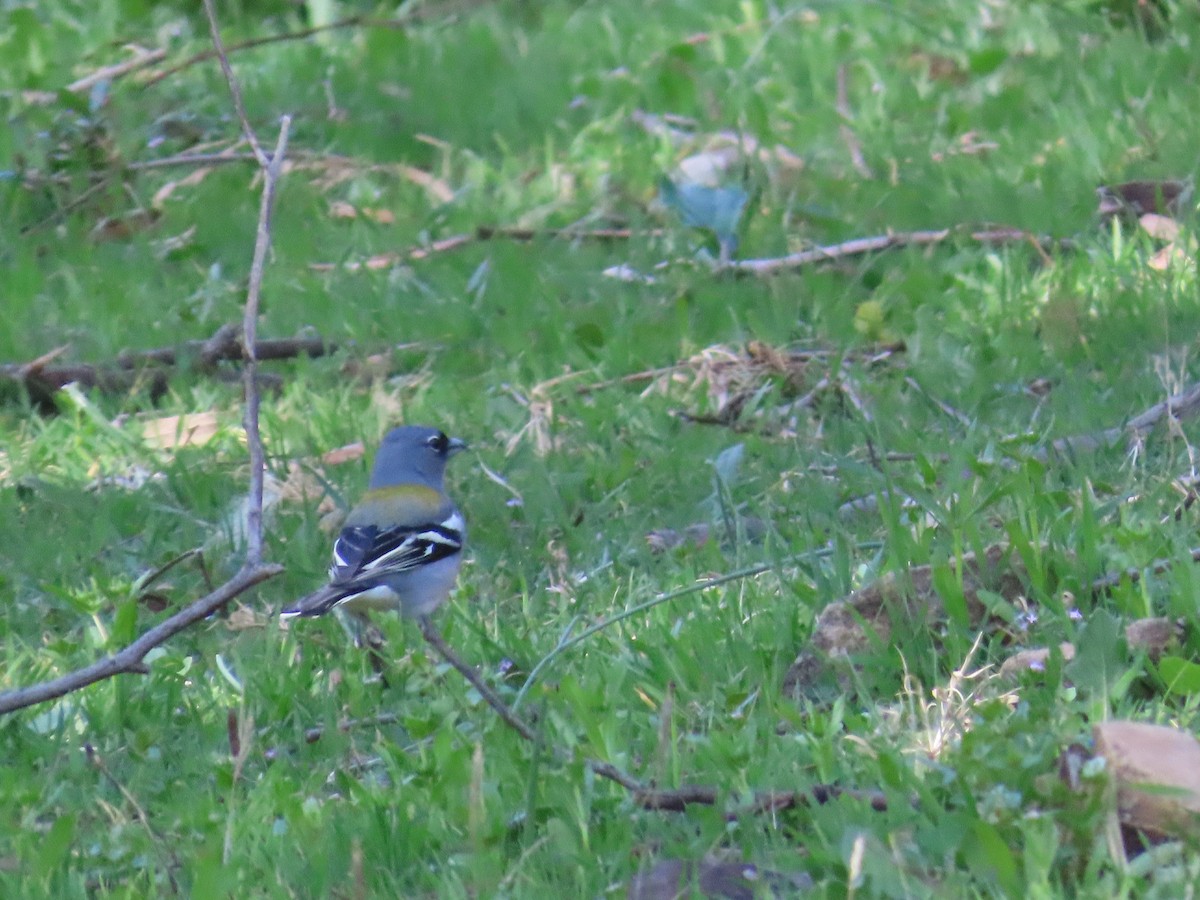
(130, 787)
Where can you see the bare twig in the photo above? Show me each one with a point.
(165, 847)
(434, 638)
(205, 55)
(190, 159)
(141, 58)
(236, 92)
(1180, 406)
(860, 246)
(150, 366)
(272, 170)
(131, 658)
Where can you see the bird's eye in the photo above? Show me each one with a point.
(438, 442)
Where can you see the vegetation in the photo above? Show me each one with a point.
(607, 415)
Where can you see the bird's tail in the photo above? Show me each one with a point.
(315, 604)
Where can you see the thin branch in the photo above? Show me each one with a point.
(272, 170)
(860, 246)
(131, 659)
(1180, 406)
(645, 796)
(236, 91)
(190, 159)
(434, 637)
(130, 368)
(490, 233)
(141, 59)
(262, 243)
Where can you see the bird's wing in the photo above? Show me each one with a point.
(368, 551)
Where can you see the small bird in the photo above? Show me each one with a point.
(401, 546)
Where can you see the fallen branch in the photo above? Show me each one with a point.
(645, 796)
(860, 246)
(150, 367)
(132, 658)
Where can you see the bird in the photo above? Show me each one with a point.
(401, 545)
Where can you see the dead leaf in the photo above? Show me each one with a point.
(243, 618)
(1155, 636)
(1156, 770)
(379, 215)
(340, 209)
(1159, 227)
(340, 455)
(123, 227)
(1168, 257)
(1033, 659)
(864, 618)
(1136, 198)
(169, 432)
(163, 194)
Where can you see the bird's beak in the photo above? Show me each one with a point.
(454, 445)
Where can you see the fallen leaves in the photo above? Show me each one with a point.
(171, 432)
(1156, 771)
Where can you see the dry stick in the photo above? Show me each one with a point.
(131, 659)
(236, 92)
(434, 638)
(490, 233)
(644, 795)
(205, 55)
(859, 246)
(1180, 406)
(272, 169)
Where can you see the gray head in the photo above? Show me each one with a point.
(413, 453)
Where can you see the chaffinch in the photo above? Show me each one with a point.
(401, 546)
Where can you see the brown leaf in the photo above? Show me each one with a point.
(1136, 198)
(1161, 228)
(169, 432)
(163, 194)
(1155, 636)
(120, 228)
(852, 625)
(340, 209)
(244, 618)
(379, 215)
(1156, 770)
(1033, 658)
(340, 455)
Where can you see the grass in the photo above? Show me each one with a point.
(133, 787)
